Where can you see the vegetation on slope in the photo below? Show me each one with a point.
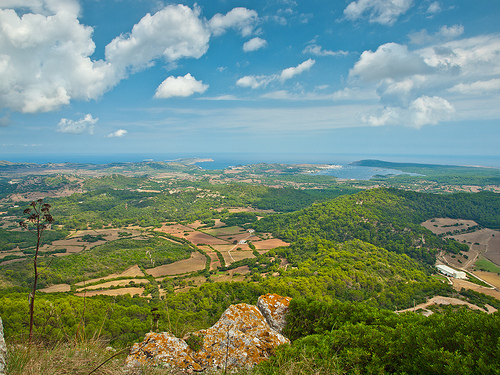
(388, 218)
(343, 337)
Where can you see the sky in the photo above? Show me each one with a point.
(362, 77)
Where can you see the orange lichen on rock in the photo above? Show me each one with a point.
(274, 308)
(163, 348)
(241, 338)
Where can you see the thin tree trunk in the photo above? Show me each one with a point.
(35, 266)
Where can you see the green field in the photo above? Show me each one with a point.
(484, 264)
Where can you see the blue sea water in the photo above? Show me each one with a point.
(224, 160)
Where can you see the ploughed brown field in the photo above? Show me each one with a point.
(195, 263)
(112, 292)
(221, 239)
(443, 225)
(113, 283)
(129, 272)
(269, 244)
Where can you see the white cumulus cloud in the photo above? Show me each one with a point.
(432, 84)
(256, 81)
(44, 62)
(254, 44)
(180, 86)
(242, 19)
(390, 60)
(172, 33)
(385, 12)
(293, 71)
(45, 55)
(422, 111)
(83, 125)
(118, 134)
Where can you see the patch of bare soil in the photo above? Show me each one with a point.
(33, 196)
(195, 263)
(175, 229)
(443, 225)
(112, 292)
(493, 251)
(240, 254)
(458, 284)
(489, 277)
(73, 244)
(196, 224)
(215, 260)
(226, 231)
(439, 300)
(269, 244)
(129, 272)
(56, 288)
(199, 237)
(110, 284)
(15, 252)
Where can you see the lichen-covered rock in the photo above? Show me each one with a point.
(162, 348)
(3, 350)
(241, 337)
(274, 308)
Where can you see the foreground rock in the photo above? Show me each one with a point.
(241, 338)
(274, 308)
(3, 351)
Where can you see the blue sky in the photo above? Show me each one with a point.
(363, 77)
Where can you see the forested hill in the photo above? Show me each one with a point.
(388, 218)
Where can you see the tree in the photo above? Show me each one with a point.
(39, 218)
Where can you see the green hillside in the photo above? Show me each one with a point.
(388, 218)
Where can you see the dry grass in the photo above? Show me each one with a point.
(80, 358)
(62, 358)
(110, 284)
(57, 288)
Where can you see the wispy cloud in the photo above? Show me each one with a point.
(444, 33)
(257, 81)
(117, 134)
(83, 125)
(316, 50)
(385, 12)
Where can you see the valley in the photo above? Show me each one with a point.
(187, 242)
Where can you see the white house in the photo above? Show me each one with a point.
(448, 271)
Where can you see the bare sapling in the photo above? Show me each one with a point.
(39, 219)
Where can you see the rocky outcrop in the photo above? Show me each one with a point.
(3, 351)
(165, 349)
(274, 308)
(241, 337)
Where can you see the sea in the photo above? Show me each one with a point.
(341, 162)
